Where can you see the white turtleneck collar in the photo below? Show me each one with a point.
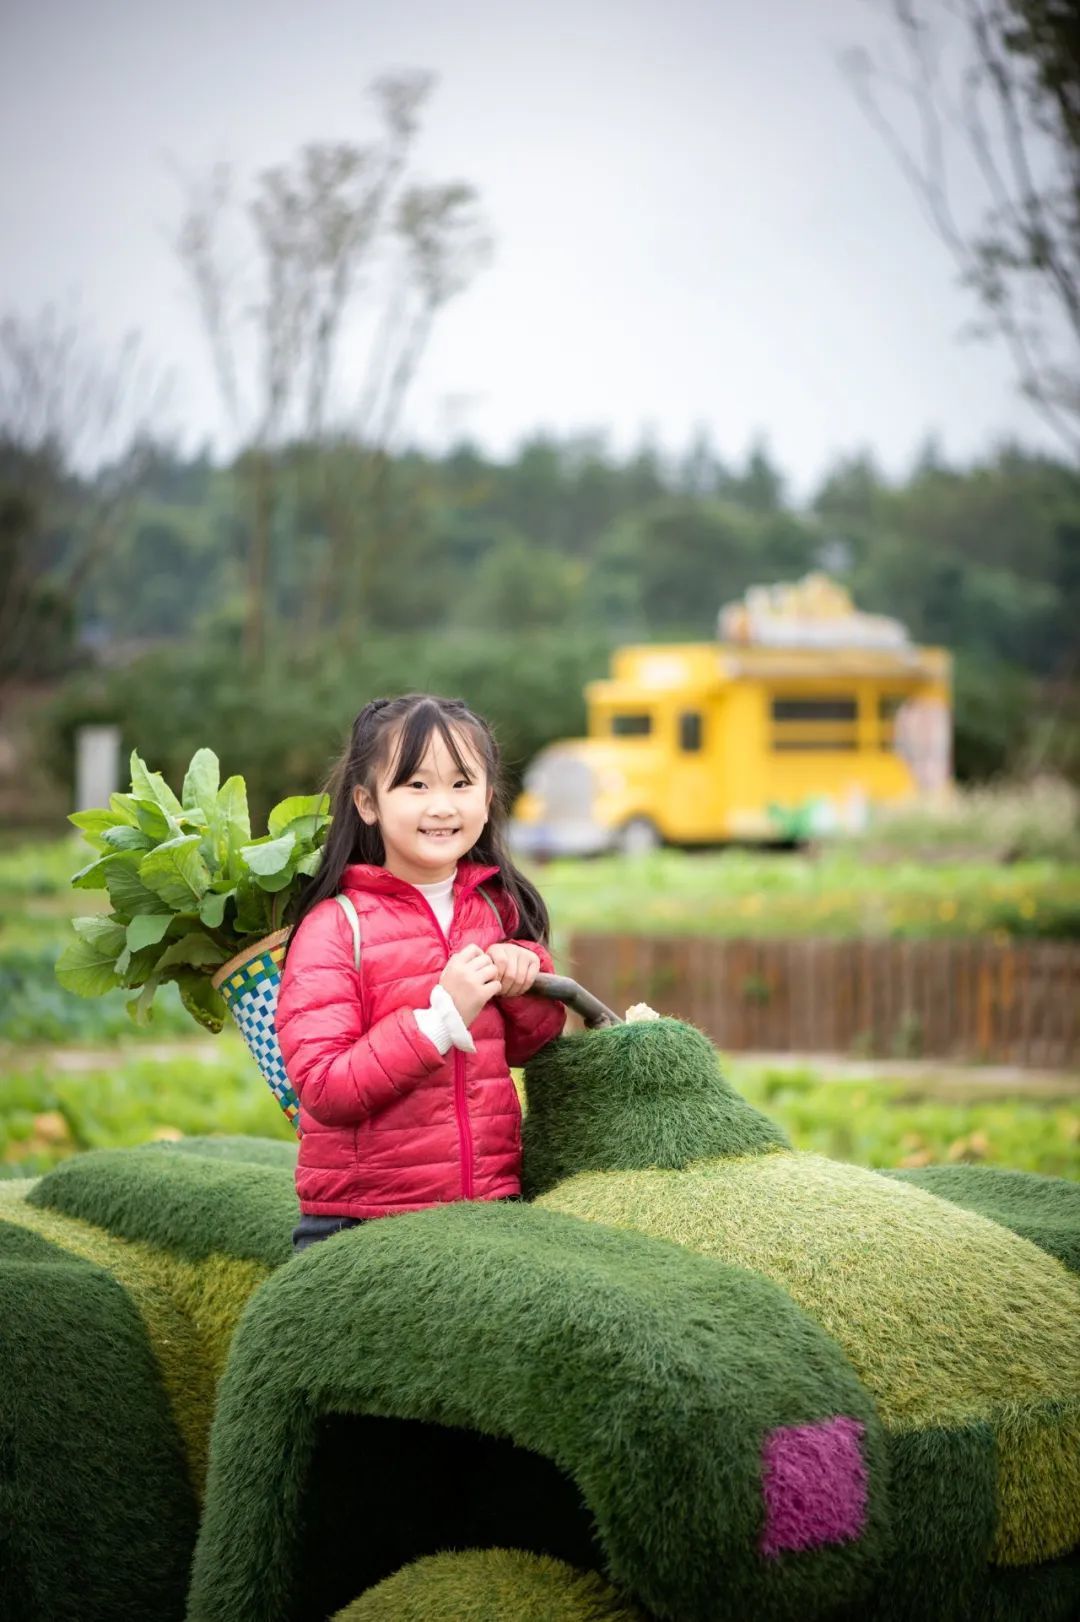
(439, 897)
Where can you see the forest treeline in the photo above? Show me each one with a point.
(512, 580)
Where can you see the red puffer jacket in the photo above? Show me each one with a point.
(389, 1123)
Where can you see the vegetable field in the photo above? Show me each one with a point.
(77, 1073)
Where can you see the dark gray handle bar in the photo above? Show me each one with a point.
(597, 1015)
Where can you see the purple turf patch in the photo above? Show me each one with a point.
(814, 1483)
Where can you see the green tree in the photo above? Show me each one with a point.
(760, 485)
(521, 584)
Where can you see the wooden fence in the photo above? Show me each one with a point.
(951, 999)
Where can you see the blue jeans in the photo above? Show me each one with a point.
(310, 1229)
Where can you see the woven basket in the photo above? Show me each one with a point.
(249, 983)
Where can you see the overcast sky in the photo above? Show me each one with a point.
(693, 222)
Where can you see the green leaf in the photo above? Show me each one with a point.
(201, 783)
(202, 1001)
(273, 882)
(313, 808)
(128, 894)
(155, 822)
(232, 813)
(252, 909)
(99, 931)
(124, 806)
(124, 838)
(86, 967)
(212, 910)
(140, 1008)
(148, 785)
(92, 876)
(310, 864)
(139, 967)
(177, 873)
(94, 825)
(309, 831)
(195, 951)
(184, 923)
(147, 930)
(266, 857)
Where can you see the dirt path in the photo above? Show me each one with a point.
(70, 1061)
(935, 1078)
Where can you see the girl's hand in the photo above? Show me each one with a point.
(517, 966)
(471, 979)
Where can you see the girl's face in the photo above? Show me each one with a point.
(429, 822)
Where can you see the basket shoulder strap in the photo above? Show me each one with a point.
(349, 910)
(481, 891)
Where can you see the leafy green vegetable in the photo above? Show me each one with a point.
(176, 873)
(268, 858)
(188, 885)
(146, 930)
(88, 965)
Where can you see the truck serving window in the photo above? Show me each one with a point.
(815, 723)
(690, 731)
(631, 726)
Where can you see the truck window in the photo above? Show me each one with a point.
(888, 705)
(631, 726)
(815, 723)
(690, 731)
(814, 709)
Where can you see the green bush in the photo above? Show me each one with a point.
(282, 727)
(1032, 821)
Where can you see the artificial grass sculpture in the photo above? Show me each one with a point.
(1045, 1210)
(646, 1377)
(966, 1335)
(97, 1511)
(643, 1094)
(491, 1585)
(698, 1376)
(122, 1277)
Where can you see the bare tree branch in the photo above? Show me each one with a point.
(1023, 259)
(65, 404)
(321, 222)
(197, 245)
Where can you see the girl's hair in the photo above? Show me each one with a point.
(367, 756)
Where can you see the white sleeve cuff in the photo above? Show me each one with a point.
(443, 1024)
(434, 1028)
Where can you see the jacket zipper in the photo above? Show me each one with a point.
(465, 1138)
(464, 1129)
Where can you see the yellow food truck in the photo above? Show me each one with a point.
(800, 719)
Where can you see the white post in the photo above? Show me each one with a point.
(97, 766)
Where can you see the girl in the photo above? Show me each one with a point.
(402, 1068)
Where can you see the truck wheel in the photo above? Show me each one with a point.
(638, 837)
